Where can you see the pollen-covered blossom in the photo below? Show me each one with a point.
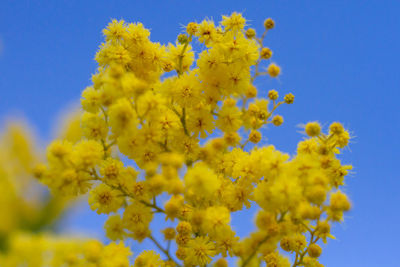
(193, 138)
(29, 213)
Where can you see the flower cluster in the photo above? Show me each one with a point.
(50, 250)
(161, 122)
(28, 213)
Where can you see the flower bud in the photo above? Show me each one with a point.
(313, 129)
(314, 250)
(289, 98)
(273, 95)
(273, 70)
(277, 120)
(265, 53)
(269, 24)
(250, 33)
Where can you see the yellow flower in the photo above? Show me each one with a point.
(104, 199)
(122, 116)
(200, 250)
(273, 70)
(114, 228)
(87, 154)
(186, 138)
(234, 22)
(115, 30)
(136, 215)
(201, 183)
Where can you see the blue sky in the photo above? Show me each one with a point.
(339, 58)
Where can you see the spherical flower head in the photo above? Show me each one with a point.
(206, 32)
(342, 140)
(273, 95)
(232, 138)
(255, 136)
(182, 239)
(299, 242)
(114, 228)
(121, 116)
(216, 217)
(87, 153)
(277, 120)
(336, 128)
(251, 91)
(266, 53)
(148, 258)
(269, 24)
(191, 28)
(314, 250)
(181, 253)
(286, 244)
(115, 30)
(167, 65)
(104, 199)
(234, 22)
(173, 206)
(184, 228)
(94, 126)
(289, 98)
(229, 119)
(222, 262)
(250, 33)
(316, 194)
(273, 70)
(200, 251)
(183, 38)
(323, 228)
(169, 233)
(201, 181)
(111, 170)
(90, 100)
(339, 201)
(313, 129)
(59, 150)
(271, 259)
(137, 216)
(187, 91)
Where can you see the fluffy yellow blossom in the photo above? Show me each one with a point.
(122, 116)
(136, 215)
(104, 199)
(234, 22)
(313, 129)
(148, 258)
(200, 251)
(201, 183)
(114, 228)
(269, 24)
(207, 32)
(186, 148)
(274, 70)
(265, 53)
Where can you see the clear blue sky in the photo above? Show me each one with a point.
(340, 59)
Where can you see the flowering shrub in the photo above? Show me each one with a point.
(161, 123)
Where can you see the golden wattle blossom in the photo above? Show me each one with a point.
(194, 136)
